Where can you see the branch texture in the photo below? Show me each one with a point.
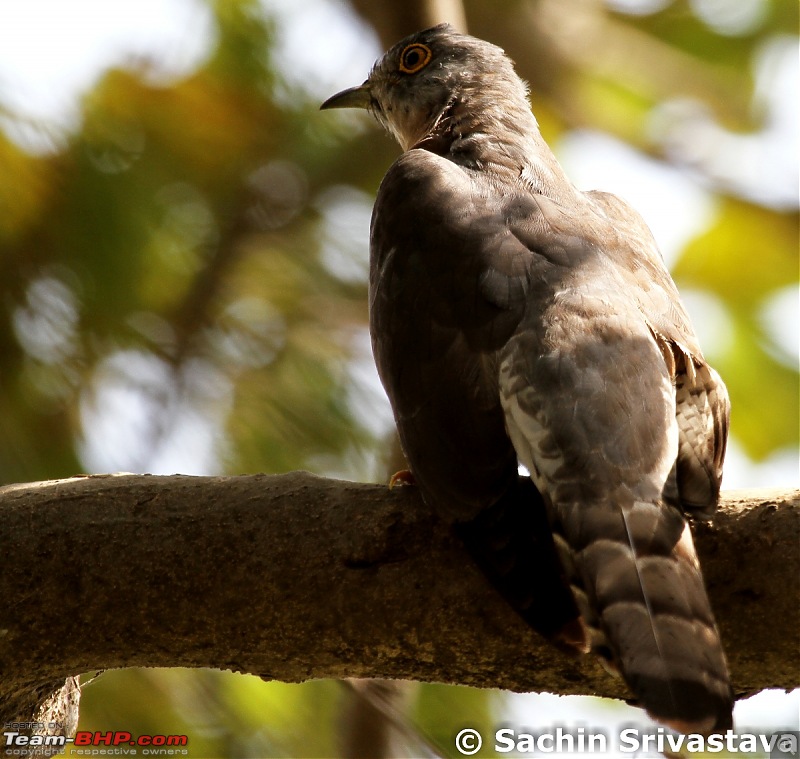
(293, 577)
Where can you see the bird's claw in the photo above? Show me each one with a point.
(402, 478)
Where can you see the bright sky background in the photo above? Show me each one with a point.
(50, 51)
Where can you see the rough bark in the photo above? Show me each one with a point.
(294, 577)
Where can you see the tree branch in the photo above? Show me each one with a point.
(294, 577)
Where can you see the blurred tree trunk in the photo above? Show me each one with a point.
(393, 20)
(367, 728)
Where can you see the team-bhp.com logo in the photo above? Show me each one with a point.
(16, 743)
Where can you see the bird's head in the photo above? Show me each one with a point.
(413, 87)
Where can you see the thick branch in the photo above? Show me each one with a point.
(295, 577)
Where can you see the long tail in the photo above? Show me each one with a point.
(638, 583)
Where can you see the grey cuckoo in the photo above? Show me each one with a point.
(516, 319)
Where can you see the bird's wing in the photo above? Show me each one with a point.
(702, 405)
(447, 290)
(435, 335)
(594, 413)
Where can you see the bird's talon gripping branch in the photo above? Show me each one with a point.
(401, 479)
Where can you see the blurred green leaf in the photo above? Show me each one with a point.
(746, 256)
(747, 253)
(440, 712)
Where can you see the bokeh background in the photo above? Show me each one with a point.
(183, 259)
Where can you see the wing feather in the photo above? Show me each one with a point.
(448, 286)
(620, 421)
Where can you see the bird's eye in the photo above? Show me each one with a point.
(414, 57)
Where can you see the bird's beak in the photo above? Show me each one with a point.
(355, 97)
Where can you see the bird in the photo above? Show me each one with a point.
(517, 321)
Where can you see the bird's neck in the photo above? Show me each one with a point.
(486, 130)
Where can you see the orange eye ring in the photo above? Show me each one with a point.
(414, 57)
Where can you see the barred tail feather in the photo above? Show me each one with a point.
(639, 585)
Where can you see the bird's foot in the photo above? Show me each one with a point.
(402, 478)
(573, 637)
